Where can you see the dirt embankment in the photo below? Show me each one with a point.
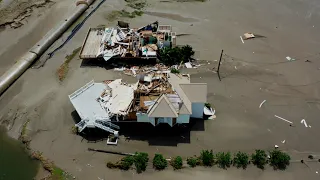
(18, 10)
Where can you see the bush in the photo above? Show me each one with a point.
(74, 130)
(176, 55)
(140, 161)
(192, 162)
(177, 163)
(206, 157)
(279, 159)
(223, 159)
(159, 162)
(175, 71)
(259, 158)
(126, 162)
(241, 160)
(208, 105)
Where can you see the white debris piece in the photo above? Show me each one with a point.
(120, 69)
(262, 103)
(283, 119)
(289, 58)
(276, 146)
(241, 39)
(188, 65)
(284, 141)
(303, 121)
(208, 112)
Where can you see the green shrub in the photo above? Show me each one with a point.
(259, 158)
(126, 162)
(206, 157)
(223, 159)
(177, 163)
(241, 159)
(175, 71)
(176, 55)
(192, 161)
(279, 159)
(159, 162)
(208, 105)
(140, 161)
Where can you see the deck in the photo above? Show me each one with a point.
(91, 44)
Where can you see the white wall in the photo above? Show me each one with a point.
(197, 110)
(183, 118)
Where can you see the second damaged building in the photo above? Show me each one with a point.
(124, 42)
(156, 98)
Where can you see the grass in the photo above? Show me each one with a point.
(24, 138)
(64, 68)
(59, 174)
(122, 14)
(136, 4)
(56, 173)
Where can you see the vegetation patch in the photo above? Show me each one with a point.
(56, 173)
(136, 4)
(223, 159)
(123, 14)
(64, 68)
(124, 164)
(140, 161)
(279, 160)
(259, 158)
(159, 162)
(241, 159)
(208, 105)
(176, 55)
(193, 162)
(74, 130)
(175, 71)
(24, 138)
(177, 163)
(207, 158)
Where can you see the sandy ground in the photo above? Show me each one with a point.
(15, 42)
(251, 72)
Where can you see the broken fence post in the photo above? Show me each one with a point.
(218, 71)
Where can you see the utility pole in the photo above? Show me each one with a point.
(218, 71)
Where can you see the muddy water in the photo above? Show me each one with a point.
(15, 164)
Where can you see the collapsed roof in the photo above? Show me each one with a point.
(124, 42)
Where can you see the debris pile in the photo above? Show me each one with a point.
(137, 70)
(124, 42)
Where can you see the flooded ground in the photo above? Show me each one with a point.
(14, 161)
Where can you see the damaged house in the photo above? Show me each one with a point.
(157, 97)
(124, 42)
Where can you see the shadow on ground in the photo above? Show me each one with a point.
(160, 135)
(116, 63)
